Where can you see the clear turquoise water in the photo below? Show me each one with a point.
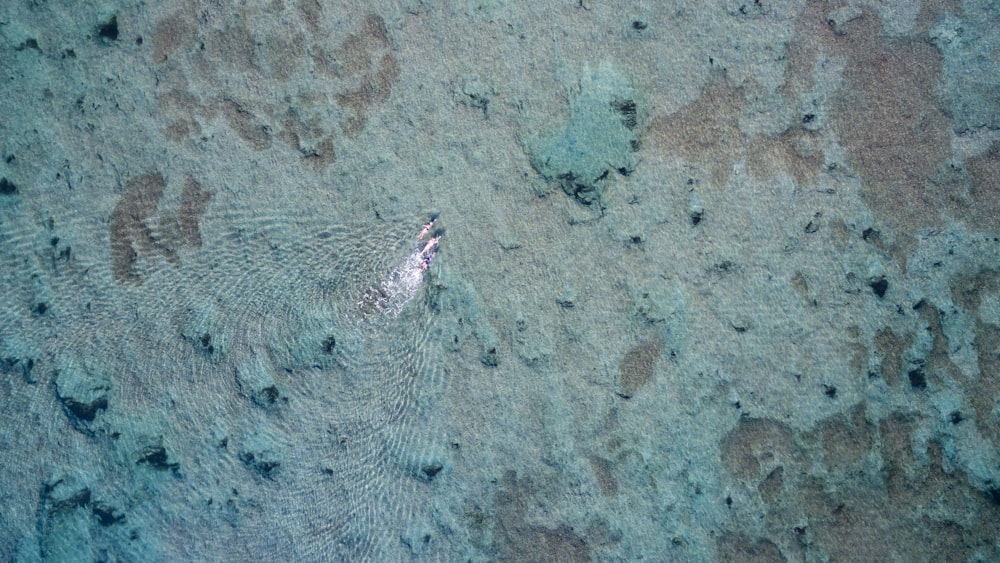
(714, 283)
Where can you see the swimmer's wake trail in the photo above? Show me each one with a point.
(406, 279)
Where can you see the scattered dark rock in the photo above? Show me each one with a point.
(264, 462)
(329, 344)
(696, 217)
(489, 358)
(725, 266)
(155, 456)
(627, 109)
(955, 417)
(993, 492)
(269, 395)
(82, 393)
(480, 93)
(107, 515)
(741, 325)
(829, 390)
(65, 494)
(813, 225)
(256, 381)
(21, 365)
(918, 380)
(206, 343)
(30, 43)
(639, 25)
(7, 187)
(565, 303)
(109, 29)
(879, 287)
(431, 470)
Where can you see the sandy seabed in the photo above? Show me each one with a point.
(719, 282)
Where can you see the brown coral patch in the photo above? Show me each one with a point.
(909, 505)
(985, 190)
(707, 130)
(894, 524)
(771, 487)
(636, 368)
(362, 70)
(372, 90)
(311, 13)
(366, 65)
(605, 474)
(308, 138)
(938, 360)
(130, 231)
(232, 50)
(756, 445)
(182, 228)
(170, 34)
(885, 114)
(969, 292)
(708, 133)
(846, 438)
(896, 448)
(181, 129)
(129, 224)
(988, 387)
(359, 51)
(890, 347)
(244, 124)
(739, 547)
(518, 539)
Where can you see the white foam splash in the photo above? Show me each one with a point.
(402, 284)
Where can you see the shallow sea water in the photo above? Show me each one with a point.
(715, 282)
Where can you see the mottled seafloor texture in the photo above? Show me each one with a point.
(719, 281)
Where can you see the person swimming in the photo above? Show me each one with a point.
(427, 227)
(426, 262)
(429, 249)
(432, 244)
